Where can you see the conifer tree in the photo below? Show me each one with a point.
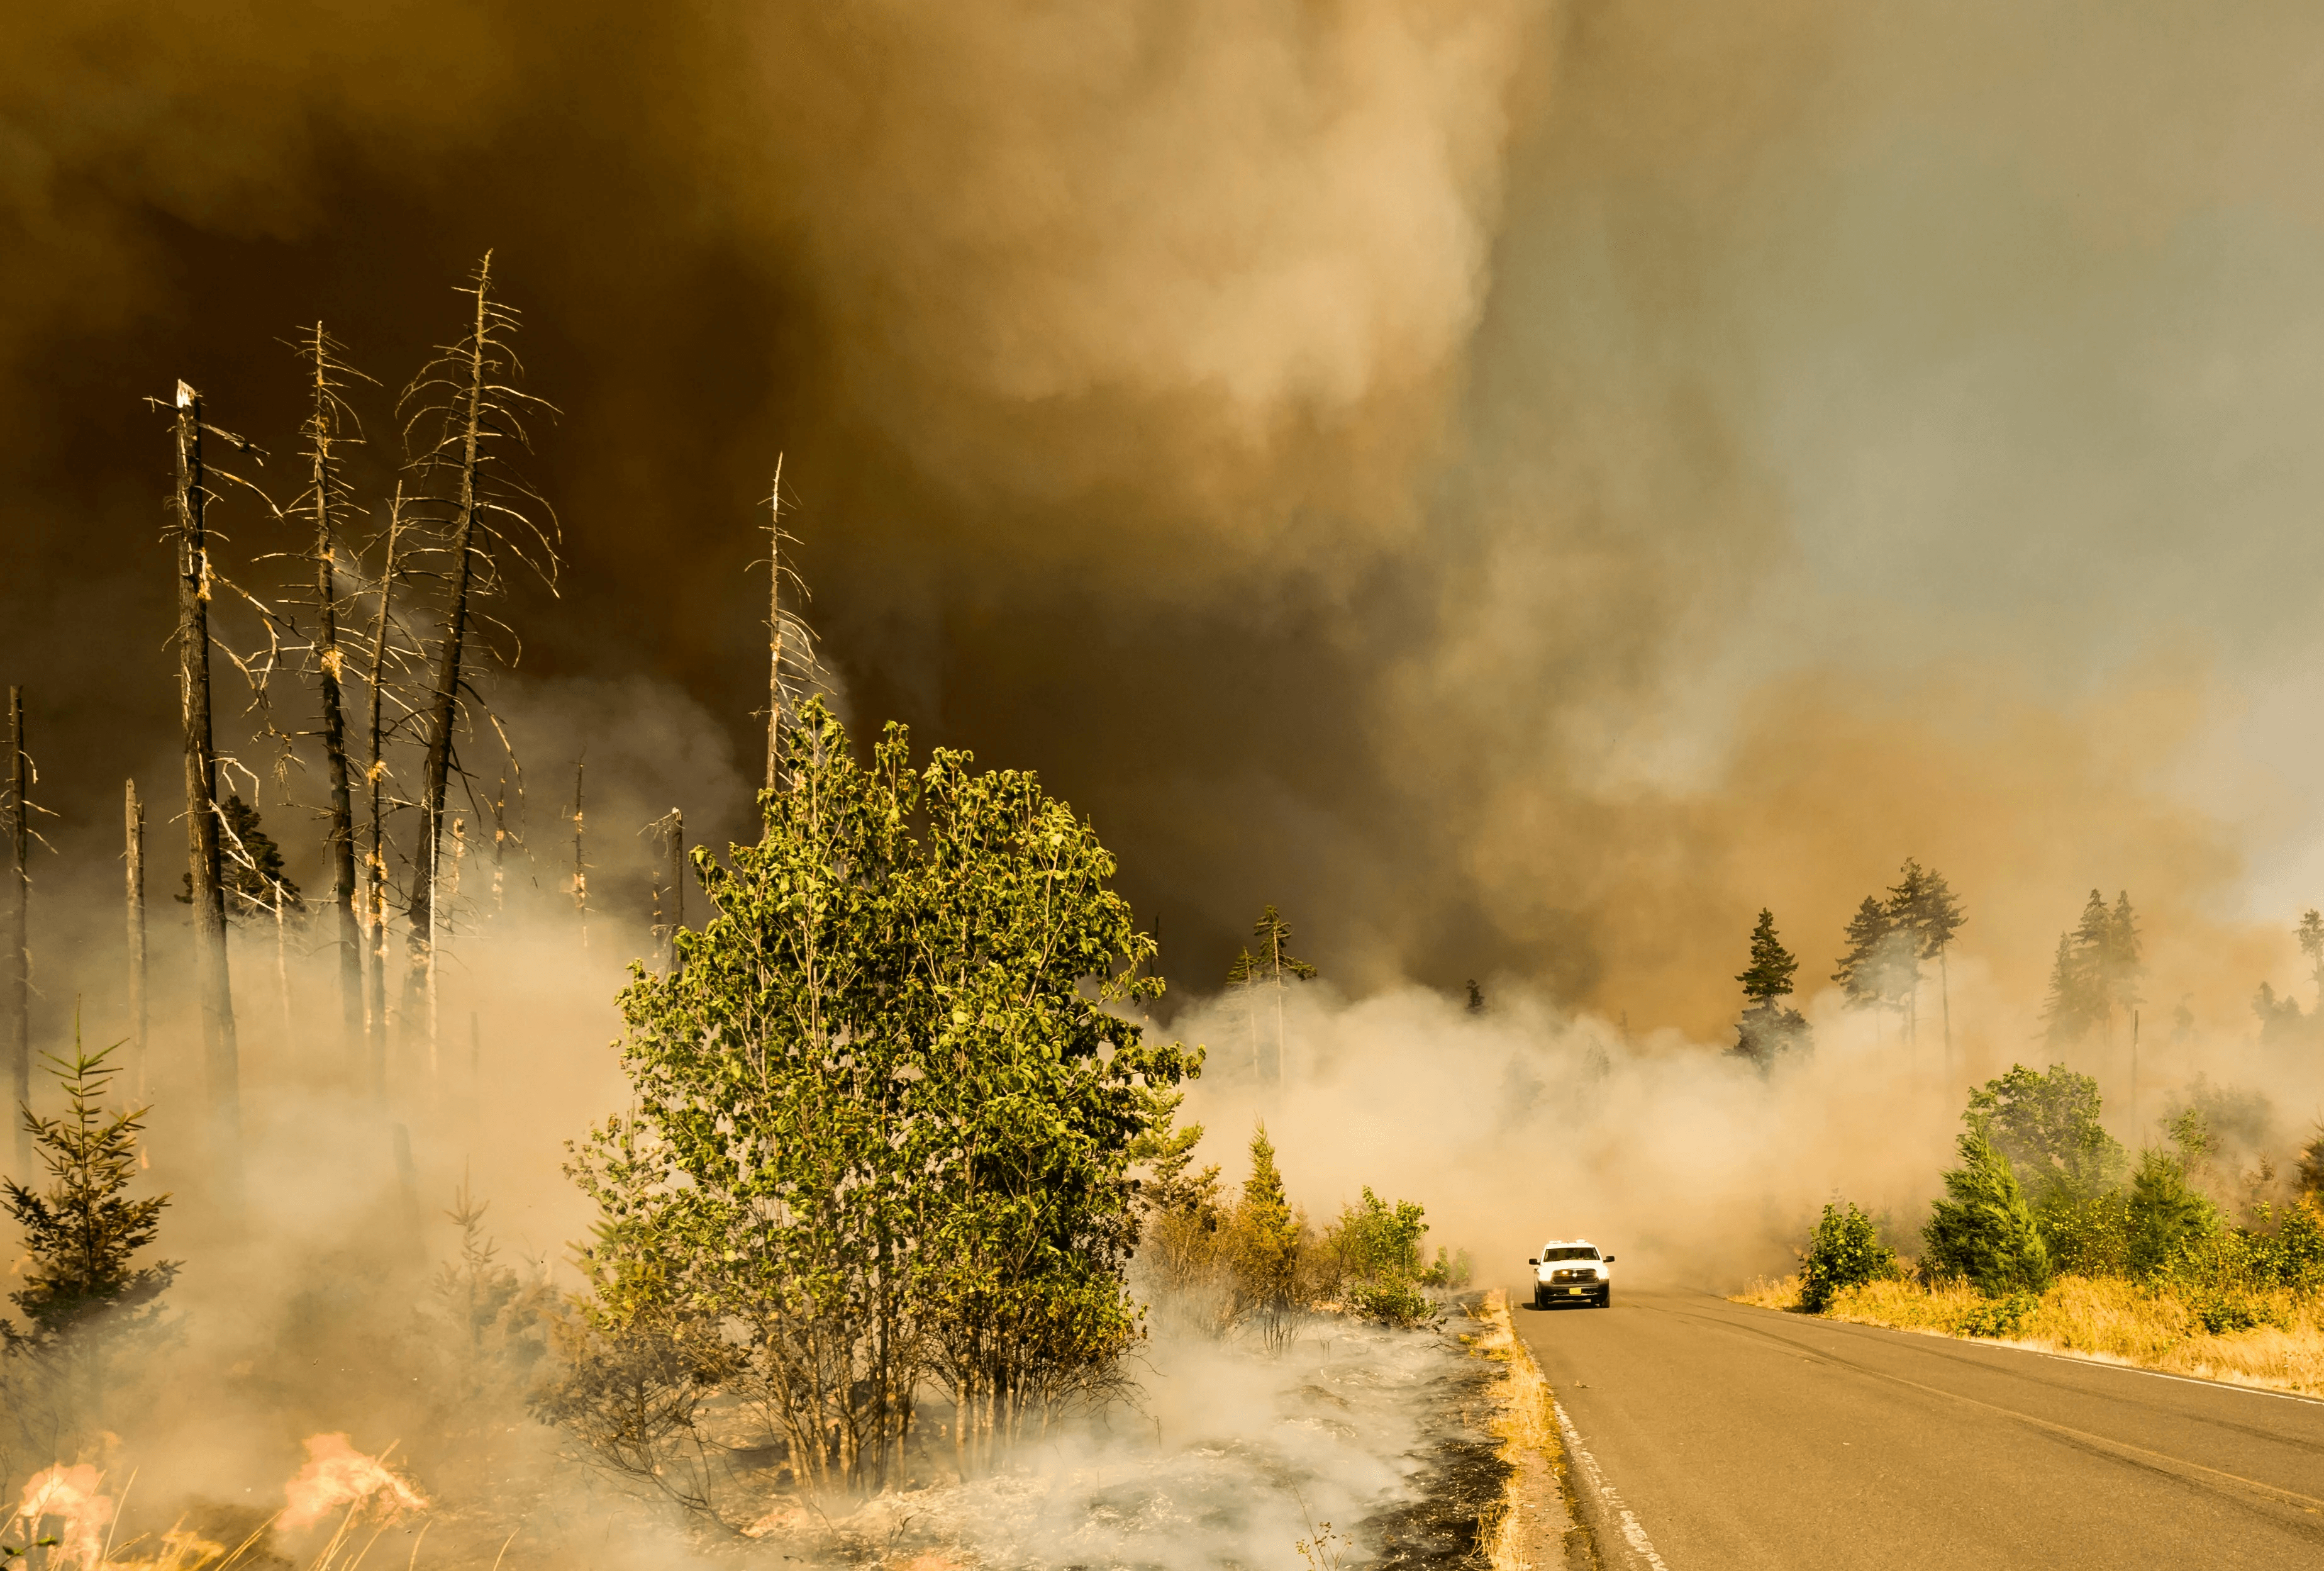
(1768, 1028)
(83, 1289)
(1270, 961)
(1267, 1235)
(1922, 906)
(2310, 934)
(1983, 1229)
(2121, 961)
(1872, 973)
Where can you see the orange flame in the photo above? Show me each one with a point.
(338, 1475)
(69, 1495)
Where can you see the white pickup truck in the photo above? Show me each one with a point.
(1568, 1269)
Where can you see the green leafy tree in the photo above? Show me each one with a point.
(1768, 1028)
(2048, 1126)
(887, 1110)
(1845, 1251)
(1983, 1229)
(84, 1296)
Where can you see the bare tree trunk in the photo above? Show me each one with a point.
(444, 695)
(15, 965)
(580, 860)
(282, 971)
(500, 842)
(676, 884)
(322, 429)
(133, 858)
(775, 628)
(375, 864)
(220, 1054)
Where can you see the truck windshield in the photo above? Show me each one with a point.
(1584, 1252)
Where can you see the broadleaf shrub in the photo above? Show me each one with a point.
(1845, 1251)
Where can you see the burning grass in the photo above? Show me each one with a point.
(2270, 1337)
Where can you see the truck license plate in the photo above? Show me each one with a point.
(1577, 1292)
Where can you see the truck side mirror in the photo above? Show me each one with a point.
(1610, 1260)
(1530, 1260)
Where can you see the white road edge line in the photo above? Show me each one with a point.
(1632, 1533)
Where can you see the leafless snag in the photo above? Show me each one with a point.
(328, 502)
(791, 668)
(460, 416)
(134, 871)
(668, 832)
(580, 854)
(195, 581)
(16, 965)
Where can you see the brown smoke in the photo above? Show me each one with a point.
(1519, 485)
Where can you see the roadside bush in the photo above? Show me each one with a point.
(1983, 1229)
(2000, 1316)
(2223, 1312)
(1845, 1251)
(2164, 1213)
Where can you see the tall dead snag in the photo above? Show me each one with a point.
(668, 832)
(17, 964)
(580, 856)
(374, 896)
(220, 1055)
(133, 856)
(326, 502)
(775, 626)
(466, 408)
(791, 668)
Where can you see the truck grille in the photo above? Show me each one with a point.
(1573, 1276)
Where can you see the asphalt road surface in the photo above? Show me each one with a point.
(1709, 1436)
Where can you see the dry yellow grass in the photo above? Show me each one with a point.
(2100, 1317)
(1531, 1525)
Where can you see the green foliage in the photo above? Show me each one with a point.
(1769, 974)
(2001, 1316)
(1844, 1252)
(1983, 1229)
(1768, 1029)
(1263, 1246)
(1271, 958)
(1888, 939)
(2094, 978)
(250, 864)
(2307, 1177)
(2164, 1213)
(2048, 1126)
(2088, 1235)
(886, 1114)
(83, 1288)
(1451, 1272)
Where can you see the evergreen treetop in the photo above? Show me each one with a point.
(1270, 957)
(1769, 975)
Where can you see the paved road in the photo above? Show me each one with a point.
(1738, 1438)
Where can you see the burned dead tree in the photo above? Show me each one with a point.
(580, 854)
(326, 503)
(791, 668)
(464, 408)
(375, 892)
(221, 1070)
(133, 857)
(668, 834)
(15, 930)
